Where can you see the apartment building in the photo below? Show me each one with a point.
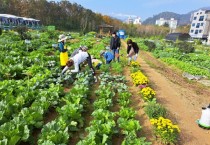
(129, 20)
(172, 23)
(200, 24)
(137, 21)
(133, 20)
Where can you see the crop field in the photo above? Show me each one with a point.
(40, 106)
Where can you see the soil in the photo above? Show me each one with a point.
(182, 98)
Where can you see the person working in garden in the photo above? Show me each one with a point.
(107, 55)
(63, 50)
(76, 60)
(96, 62)
(115, 45)
(132, 50)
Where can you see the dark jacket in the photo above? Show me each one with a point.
(115, 42)
(135, 48)
(61, 47)
(89, 61)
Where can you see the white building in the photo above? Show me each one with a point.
(172, 23)
(129, 20)
(200, 24)
(137, 21)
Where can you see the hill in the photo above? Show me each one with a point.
(183, 19)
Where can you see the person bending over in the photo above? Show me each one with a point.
(76, 60)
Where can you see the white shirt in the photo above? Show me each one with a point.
(79, 58)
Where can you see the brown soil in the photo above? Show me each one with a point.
(182, 98)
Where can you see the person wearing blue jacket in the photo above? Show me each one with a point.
(107, 55)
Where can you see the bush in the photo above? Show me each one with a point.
(155, 110)
(150, 44)
(22, 32)
(185, 47)
(198, 42)
(0, 31)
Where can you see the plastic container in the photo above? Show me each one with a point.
(204, 121)
(121, 34)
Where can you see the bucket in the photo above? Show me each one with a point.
(122, 34)
(204, 121)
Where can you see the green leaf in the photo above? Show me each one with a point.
(14, 140)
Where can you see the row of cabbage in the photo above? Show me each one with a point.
(106, 123)
(30, 85)
(70, 117)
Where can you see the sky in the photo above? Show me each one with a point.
(141, 8)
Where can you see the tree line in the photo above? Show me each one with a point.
(72, 16)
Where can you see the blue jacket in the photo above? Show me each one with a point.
(61, 47)
(108, 56)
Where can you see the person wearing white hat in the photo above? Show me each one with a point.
(63, 50)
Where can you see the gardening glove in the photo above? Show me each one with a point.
(64, 70)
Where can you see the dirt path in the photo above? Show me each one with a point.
(182, 99)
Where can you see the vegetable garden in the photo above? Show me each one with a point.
(31, 87)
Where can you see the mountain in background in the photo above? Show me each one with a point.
(183, 19)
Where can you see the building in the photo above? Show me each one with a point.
(172, 23)
(137, 21)
(133, 20)
(200, 24)
(11, 21)
(129, 20)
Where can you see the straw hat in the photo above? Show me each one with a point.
(62, 37)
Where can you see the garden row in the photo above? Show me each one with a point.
(191, 58)
(106, 123)
(30, 85)
(163, 128)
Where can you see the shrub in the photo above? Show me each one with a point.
(22, 31)
(185, 47)
(0, 31)
(155, 110)
(150, 44)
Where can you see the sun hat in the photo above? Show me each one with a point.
(102, 52)
(62, 37)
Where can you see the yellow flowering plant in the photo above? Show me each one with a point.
(135, 64)
(147, 94)
(139, 78)
(165, 130)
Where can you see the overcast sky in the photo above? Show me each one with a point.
(141, 8)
